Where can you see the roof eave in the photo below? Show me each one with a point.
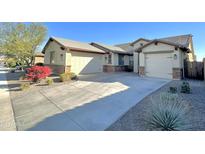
(50, 40)
(132, 44)
(169, 43)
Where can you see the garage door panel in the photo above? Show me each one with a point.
(159, 65)
(84, 63)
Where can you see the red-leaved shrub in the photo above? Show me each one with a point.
(36, 73)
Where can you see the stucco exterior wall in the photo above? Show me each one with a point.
(59, 56)
(142, 59)
(135, 58)
(177, 62)
(138, 44)
(191, 55)
(114, 60)
(158, 47)
(68, 58)
(39, 59)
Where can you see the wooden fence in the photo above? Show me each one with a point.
(194, 70)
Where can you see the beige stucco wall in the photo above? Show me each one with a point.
(58, 60)
(68, 58)
(39, 59)
(158, 47)
(135, 58)
(115, 59)
(138, 44)
(191, 55)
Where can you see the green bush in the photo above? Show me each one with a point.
(49, 81)
(168, 114)
(11, 63)
(173, 90)
(185, 87)
(25, 86)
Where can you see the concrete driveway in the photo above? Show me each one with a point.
(92, 103)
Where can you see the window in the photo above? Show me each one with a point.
(141, 44)
(52, 54)
(121, 59)
(109, 59)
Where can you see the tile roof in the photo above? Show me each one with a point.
(114, 49)
(39, 54)
(126, 46)
(180, 40)
(77, 45)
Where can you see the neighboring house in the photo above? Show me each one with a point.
(163, 58)
(39, 58)
(64, 55)
(116, 58)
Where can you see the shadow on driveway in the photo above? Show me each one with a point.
(101, 100)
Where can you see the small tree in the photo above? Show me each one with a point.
(20, 41)
(36, 73)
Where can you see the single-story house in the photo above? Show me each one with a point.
(116, 58)
(38, 58)
(162, 58)
(64, 55)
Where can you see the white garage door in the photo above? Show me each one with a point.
(84, 63)
(158, 65)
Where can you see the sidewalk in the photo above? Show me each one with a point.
(7, 122)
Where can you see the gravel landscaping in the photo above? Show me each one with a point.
(135, 119)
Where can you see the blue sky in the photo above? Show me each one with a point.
(116, 32)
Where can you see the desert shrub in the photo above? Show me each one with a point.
(185, 87)
(173, 90)
(49, 81)
(167, 97)
(11, 63)
(64, 77)
(168, 114)
(36, 73)
(68, 76)
(73, 76)
(25, 86)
